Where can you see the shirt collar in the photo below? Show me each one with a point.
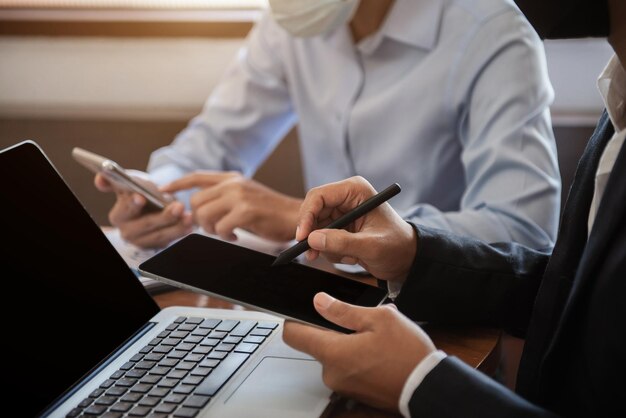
(413, 22)
(612, 86)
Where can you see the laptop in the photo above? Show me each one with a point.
(87, 340)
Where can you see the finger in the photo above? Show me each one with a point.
(102, 183)
(352, 317)
(127, 206)
(200, 179)
(162, 237)
(308, 339)
(209, 214)
(225, 226)
(136, 228)
(340, 243)
(340, 197)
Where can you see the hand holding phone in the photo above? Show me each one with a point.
(121, 179)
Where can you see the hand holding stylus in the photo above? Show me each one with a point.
(379, 239)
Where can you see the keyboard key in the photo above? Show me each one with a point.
(175, 398)
(227, 325)
(177, 354)
(211, 342)
(136, 357)
(255, 339)
(106, 400)
(160, 370)
(127, 366)
(180, 319)
(221, 374)
(217, 355)
(194, 357)
(162, 349)
(192, 380)
(232, 340)
(201, 332)
(85, 403)
(154, 357)
(149, 401)
(121, 406)
(224, 347)
(201, 350)
(268, 325)
(209, 363)
(264, 332)
(186, 412)
(151, 379)
(126, 382)
(163, 334)
(194, 320)
(146, 349)
(139, 411)
(171, 327)
(95, 410)
(209, 323)
(96, 393)
(165, 408)
(155, 341)
(107, 384)
(197, 401)
(185, 365)
(116, 391)
(141, 388)
(171, 341)
(201, 371)
(186, 327)
(177, 374)
(117, 374)
(185, 347)
(243, 328)
(168, 383)
(159, 392)
(145, 365)
(74, 413)
(136, 374)
(217, 334)
(131, 397)
(246, 348)
(193, 339)
(184, 389)
(110, 414)
(169, 362)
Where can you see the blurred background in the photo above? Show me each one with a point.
(122, 78)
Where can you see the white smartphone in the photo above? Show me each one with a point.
(120, 178)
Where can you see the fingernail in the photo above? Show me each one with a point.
(137, 200)
(297, 231)
(177, 210)
(324, 300)
(317, 240)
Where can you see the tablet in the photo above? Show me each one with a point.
(243, 276)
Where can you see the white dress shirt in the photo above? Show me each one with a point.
(612, 86)
(449, 98)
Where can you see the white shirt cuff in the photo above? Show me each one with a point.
(415, 379)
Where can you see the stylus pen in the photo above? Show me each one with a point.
(341, 222)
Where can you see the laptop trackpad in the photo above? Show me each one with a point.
(281, 387)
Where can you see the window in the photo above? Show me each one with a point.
(135, 4)
(133, 18)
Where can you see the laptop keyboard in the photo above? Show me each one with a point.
(178, 372)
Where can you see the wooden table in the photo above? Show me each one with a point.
(478, 347)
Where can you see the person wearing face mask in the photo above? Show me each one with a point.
(569, 305)
(448, 98)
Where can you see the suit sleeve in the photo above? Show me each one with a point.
(474, 394)
(460, 280)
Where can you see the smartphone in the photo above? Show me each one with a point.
(246, 277)
(118, 176)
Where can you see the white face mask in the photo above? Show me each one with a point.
(312, 17)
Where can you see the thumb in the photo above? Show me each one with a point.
(343, 314)
(339, 242)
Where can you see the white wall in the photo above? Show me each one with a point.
(170, 78)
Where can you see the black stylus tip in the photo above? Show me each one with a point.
(279, 261)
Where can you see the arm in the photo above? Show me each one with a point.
(454, 389)
(242, 121)
(502, 93)
(457, 279)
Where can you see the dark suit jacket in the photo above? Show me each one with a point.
(570, 307)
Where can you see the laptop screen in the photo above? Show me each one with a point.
(76, 298)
